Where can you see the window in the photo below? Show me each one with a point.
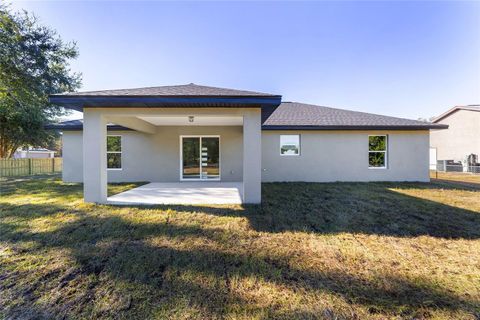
(114, 152)
(290, 145)
(377, 152)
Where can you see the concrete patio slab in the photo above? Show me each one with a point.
(185, 193)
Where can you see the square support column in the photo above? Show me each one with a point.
(94, 156)
(252, 156)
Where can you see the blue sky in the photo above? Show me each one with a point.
(407, 59)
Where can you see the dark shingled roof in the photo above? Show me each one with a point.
(181, 96)
(185, 90)
(276, 115)
(301, 116)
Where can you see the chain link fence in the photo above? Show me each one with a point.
(450, 166)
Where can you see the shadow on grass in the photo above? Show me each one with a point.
(108, 246)
(368, 208)
(113, 247)
(50, 185)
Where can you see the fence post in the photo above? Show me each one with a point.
(53, 165)
(29, 166)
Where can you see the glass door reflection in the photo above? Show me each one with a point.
(200, 158)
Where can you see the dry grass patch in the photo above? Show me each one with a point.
(329, 251)
(470, 179)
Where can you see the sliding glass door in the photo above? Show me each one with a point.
(191, 158)
(200, 158)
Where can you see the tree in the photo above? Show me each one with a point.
(34, 62)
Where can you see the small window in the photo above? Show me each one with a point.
(114, 152)
(290, 145)
(377, 152)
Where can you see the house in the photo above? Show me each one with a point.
(33, 153)
(192, 133)
(462, 137)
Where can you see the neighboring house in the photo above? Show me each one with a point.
(200, 133)
(462, 137)
(33, 153)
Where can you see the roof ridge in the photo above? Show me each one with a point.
(124, 91)
(136, 88)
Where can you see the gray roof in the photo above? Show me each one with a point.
(276, 115)
(301, 116)
(175, 91)
(471, 107)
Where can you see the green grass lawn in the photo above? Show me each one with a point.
(329, 251)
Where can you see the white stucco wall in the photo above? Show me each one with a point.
(460, 139)
(72, 154)
(327, 156)
(156, 157)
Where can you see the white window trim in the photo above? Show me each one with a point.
(219, 156)
(299, 146)
(385, 151)
(121, 152)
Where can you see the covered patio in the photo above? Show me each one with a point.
(183, 193)
(178, 156)
(182, 133)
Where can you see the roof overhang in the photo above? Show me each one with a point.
(326, 128)
(78, 102)
(275, 128)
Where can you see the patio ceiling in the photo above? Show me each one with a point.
(193, 120)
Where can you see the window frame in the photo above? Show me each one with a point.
(299, 145)
(385, 152)
(115, 152)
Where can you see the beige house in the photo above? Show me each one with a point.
(195, 144)
(462, 137)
